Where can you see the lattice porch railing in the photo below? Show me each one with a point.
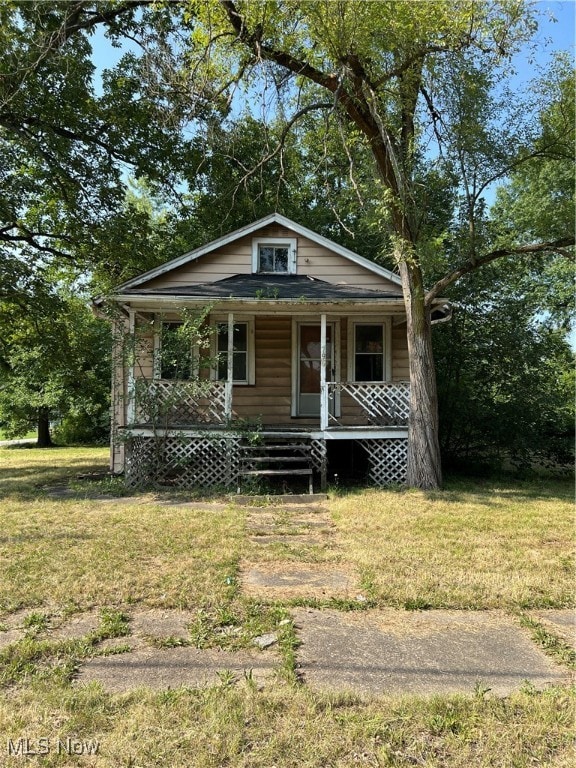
(383, 404)
(163, 402)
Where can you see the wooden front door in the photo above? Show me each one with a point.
(309, 361)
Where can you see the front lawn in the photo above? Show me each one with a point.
(475, 545)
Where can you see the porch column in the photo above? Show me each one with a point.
(131, 409)
(323, 386)
(230, 369)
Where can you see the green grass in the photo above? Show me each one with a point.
(506, 546)
(471, 546)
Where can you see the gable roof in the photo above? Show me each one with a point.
(273, 218)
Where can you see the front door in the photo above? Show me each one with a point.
(309, 363)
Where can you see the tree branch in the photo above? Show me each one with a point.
(555, 246)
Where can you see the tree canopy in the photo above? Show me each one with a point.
(387, 122)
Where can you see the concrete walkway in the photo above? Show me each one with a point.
(372, 652)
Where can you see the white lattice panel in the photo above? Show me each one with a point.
(384, 404)
(387, 459)
(182, 462)
(318, 454)
(164, 403)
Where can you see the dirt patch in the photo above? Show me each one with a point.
(433, 652)
(177, 667)
(161, 624)
(9, 636)
(293, 580)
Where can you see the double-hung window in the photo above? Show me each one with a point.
(242, 352)
(274, 256)
(369, 358)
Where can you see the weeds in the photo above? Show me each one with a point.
(549, 642)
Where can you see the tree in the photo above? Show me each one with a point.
(412, 79)
(506, 380)
(67, 144)
(54, 364)
(505, 370)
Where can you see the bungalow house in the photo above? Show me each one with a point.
(307, 363)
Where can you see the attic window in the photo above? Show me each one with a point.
(272, 256)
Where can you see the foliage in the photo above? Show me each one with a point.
(505, 369)
(55, 365)
(66, 139)
(505, 373)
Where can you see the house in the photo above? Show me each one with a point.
(307, 363)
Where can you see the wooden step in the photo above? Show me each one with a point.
(285, 447)
(276, 459)
(275, 472)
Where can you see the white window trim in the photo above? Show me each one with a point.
(351, 346)
(281, 242)
(248, 320)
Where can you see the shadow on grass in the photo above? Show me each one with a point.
(35, 475)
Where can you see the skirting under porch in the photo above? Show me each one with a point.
(230, 459)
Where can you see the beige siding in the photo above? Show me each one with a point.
(236, 259)
(400, 367)
(269, 400)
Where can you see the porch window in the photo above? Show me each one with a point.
(274, 256)
(242, 355)
(175, 353)
(369, 359)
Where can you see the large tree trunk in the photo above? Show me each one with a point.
(44, 439)
(424, 464)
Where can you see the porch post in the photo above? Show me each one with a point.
(230, 369)
(131, 409)
(323, 387)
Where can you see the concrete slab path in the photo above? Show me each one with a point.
(286, 580)
(426, 653)
(162, 668)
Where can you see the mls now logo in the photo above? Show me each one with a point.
(25, 747)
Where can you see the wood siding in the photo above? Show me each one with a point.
(270, 399)
(236, 259)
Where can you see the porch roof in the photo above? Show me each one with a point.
(268, 288)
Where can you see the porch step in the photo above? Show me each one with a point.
(282, 447)
(273, 459)
(278, 472)
(276, 458)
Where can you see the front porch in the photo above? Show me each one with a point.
(188, 433)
